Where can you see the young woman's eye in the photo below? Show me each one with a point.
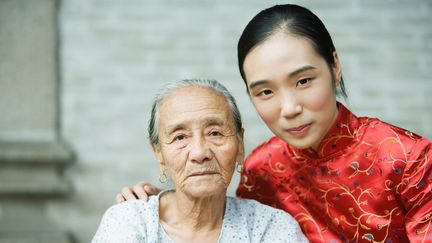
(265, 92)
(303, 82)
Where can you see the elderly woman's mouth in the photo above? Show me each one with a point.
(203, 173)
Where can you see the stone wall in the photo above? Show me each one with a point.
(33, 155)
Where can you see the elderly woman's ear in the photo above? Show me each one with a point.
(242, 133)
(241, 153)
(158, 153)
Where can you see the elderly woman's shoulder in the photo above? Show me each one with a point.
(128, 221)
(133, 208)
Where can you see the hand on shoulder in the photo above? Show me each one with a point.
(142, 190)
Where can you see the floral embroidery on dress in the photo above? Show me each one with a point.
(368, 181)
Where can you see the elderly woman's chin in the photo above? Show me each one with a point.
(205, 187)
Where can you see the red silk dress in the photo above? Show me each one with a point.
(368, 182)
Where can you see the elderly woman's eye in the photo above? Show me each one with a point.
(179, 137)
(215, 133)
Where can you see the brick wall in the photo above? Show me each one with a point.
(115, 55)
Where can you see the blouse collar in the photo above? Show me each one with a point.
(342, 134)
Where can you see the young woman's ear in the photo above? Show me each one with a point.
(337, 68)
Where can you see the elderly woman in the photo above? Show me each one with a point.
(196, 133)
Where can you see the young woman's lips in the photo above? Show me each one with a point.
(300, 130)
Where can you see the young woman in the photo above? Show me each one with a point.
(342, 177)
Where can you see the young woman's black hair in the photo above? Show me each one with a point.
(291, 19)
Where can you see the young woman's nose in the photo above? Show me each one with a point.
(199, 150)
(290, 106)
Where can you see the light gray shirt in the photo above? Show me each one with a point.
(244, 221)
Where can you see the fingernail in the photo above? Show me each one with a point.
(149, 188)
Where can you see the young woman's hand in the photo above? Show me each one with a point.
(142, 190)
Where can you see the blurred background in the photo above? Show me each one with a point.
(77, 78)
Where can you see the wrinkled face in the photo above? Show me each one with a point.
(198, 141)
(291, 88)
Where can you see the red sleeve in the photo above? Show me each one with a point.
(416, 192)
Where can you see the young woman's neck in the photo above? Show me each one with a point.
(316, 146)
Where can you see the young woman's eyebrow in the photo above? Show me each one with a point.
(293, 73)
(256, 83)
(301, 69)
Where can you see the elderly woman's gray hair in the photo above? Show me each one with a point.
(171, 87)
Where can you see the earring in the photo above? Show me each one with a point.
(239, 167)
(163, 177)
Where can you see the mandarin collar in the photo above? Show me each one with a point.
(340, 136)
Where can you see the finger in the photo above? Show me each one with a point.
(139, 191)
(151, 190)
(120, 198)
(128, 194)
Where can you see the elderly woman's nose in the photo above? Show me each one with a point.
(199, 150)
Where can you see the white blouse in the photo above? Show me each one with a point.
(244, 221)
